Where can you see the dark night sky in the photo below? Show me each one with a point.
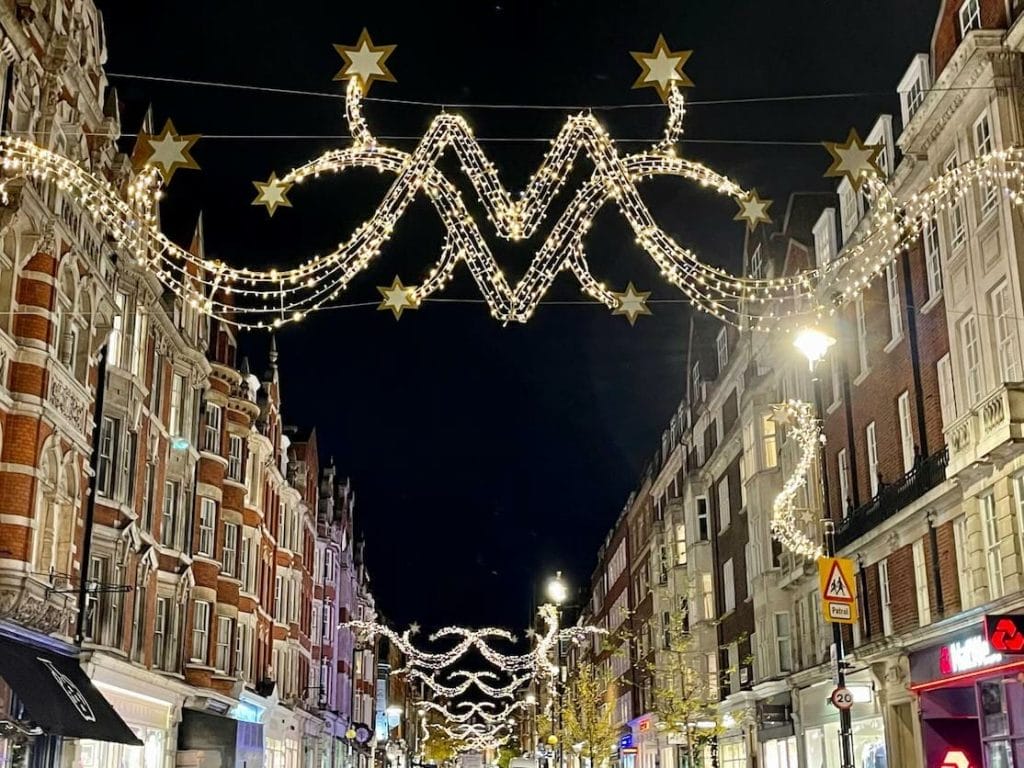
(485, 457)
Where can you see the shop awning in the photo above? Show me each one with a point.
(58, 696)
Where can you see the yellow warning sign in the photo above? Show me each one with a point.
(838, 590)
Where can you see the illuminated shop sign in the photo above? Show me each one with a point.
(965, 655)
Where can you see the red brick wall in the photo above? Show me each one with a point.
(947, 33)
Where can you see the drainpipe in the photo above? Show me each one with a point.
(90, 504)
(933, 542)
(910, 314)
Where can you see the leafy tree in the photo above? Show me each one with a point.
(439, 747)
(685, 698)
(505, 755)
(588, 712)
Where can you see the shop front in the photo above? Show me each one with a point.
(48, 699)
(971, 702)
(819, 720)
(148, 705)
(776, 735)
(284, 739)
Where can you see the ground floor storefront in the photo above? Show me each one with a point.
(817, 737)
(970, 701)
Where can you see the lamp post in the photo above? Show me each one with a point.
(815, 344)
(557, 592)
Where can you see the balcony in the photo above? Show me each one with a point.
(927, 474)
(992, 431)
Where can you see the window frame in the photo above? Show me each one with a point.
(994, 573)
(200, 608)
(932, 257)
(729, 585)
(906, 430)
(228, 565)
(206, 541)
(892, 291)
(983, 145)
(970, 20)
(885, 596)
(843, 469)
(924, 608)
(974, 374)
(871, 446)
(1005, 326)
(957, 217)
(214, 416)
(862, 334)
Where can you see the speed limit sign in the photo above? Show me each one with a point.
(842, 698)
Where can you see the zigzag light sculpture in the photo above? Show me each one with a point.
(254, 298)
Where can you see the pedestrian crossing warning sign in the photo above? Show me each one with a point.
(838, 591)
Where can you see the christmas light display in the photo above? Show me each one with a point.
(486, 682)
(269, 298)
(789, 525)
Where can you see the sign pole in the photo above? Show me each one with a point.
(845, 720)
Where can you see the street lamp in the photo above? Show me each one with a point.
(556, 590)
(815, 344)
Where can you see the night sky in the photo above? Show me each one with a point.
(483, 457)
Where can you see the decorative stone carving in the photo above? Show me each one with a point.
(67, 402)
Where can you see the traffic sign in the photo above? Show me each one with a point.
(838, 590)
(842, 698)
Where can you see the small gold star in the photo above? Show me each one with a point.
(661, 68)
(753, 210)
(632, 303)
(783, 415)
(397, 298)
(365, 62)
(414, 629)
(168, 152)
(272, 193)
(854, 160)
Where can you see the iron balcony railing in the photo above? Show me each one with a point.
(893, 497)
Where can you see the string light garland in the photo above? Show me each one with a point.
(252, 298)
(486, 682)
(789, 524)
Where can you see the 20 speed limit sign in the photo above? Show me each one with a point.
(842, 698)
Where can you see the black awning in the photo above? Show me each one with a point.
(58, 696)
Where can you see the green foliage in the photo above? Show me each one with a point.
(439, 747)
(588, 712)
(505, 756)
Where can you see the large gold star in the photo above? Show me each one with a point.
(783, 415)
(854, 160)
(272, 193)
(397, 298)
(365, 62)
(168, 152)
(753, 210)
(631, 303)
(661, 68)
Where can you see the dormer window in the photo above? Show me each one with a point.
(851, 208)
(881, 136)
(913, 87)
(825, 237)
(970, 16)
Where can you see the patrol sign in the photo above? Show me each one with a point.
(838, 593)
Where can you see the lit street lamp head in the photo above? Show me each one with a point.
(814, 344)
(556, 590)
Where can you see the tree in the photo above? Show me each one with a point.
(685, 695)
(588, 712)
(439, 747)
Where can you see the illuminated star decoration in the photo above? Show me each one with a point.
(783, 415)
(169, 151)
(414, 629)
(661, 68)
(365, 62)
(272, 193)
(854, 159)
(397, 298)
(753, 210)
(631, 303)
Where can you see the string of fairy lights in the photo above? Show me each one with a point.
(791, 525)
(269, 298)
(476, 724)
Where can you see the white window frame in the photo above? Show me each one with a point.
(965, 574)
(160, 618)
(106, 478)
(207, 526)
(229, 550)
(722, 348)
(990, 536)
(957, 218)
(756, 263)
(1005, 322)
(892, 290)
(175, 421)
(974, 375)
(969, 16)
(932, 257)
(843, 464)
(222, 651)
(200, 631)
(862, 333)
(783, 642)
(870, 437)
(707, 589)
(906, 430)
(984, 143)
(769, 443)
(211, 434)
(885, 596)
(835, 374)
(236, 455)
(924, 608)
(729, 585)
(824, 231)
(724, 504)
